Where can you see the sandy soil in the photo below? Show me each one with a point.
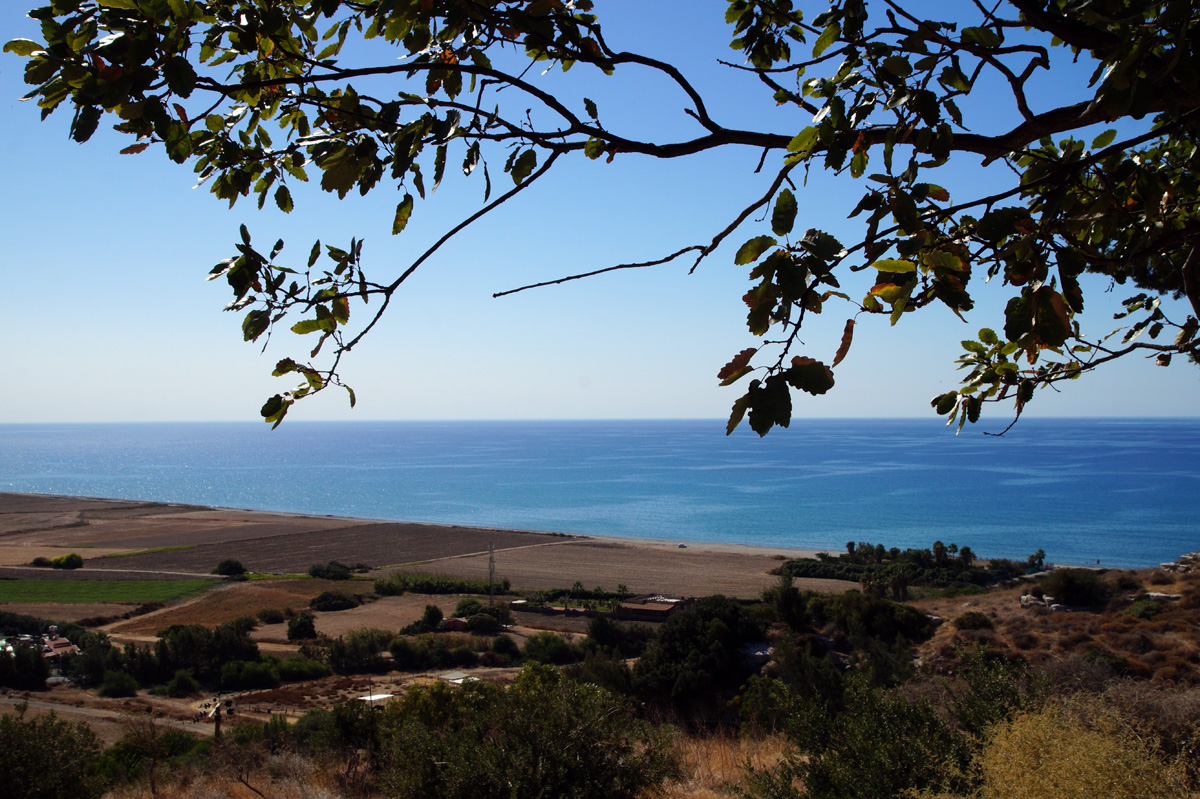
(642, 567)
(278, 542)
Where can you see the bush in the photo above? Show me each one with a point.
(550, 649)
(48, 758)
(1054, 755)
(229, 568)
(117, 684)
(182, 684)
(246, 675)
(41, 563)
(301, 627)
(420, 583)
(328, 601)
(481, 739)
(1075, 587)
(1143, 609)
(507, 648)
(295, 669)
(71, 561)
(333, 570)
(973, 620)
(270, 616)
(483, 624)
(359, 651)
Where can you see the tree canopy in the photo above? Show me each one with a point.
(259, 96)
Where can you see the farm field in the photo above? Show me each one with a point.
(92, 591)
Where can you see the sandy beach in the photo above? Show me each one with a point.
(122, 539)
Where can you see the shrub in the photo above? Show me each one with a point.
(41, 563)
(328, 601)
(270, 616)
(1051, 754)
(117, 684)
(71, 561)
(1075, 587)
(1143, 609)
(244, 625)
(301, 627)
(48, 758)
(481, 739)
(549, 648)
(506, 647)
(245, 675)
(229, 568)
(333, 570)
(295, 669)
(973, 620)
(483, 624)
(182, 684)
(420, 583)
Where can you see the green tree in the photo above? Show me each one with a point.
(301, 627)
(1099, 180)
(543, 736)
(23, 668)
(229, 568)
(46, 757)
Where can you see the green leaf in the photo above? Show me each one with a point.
(751, 250)
(891, 265)
(255, 324)
(897, 65)
(23, 47)
(403, 211)
(590, 107)
(784, 215)
(593, 148)
(988, 336)
(981, 36)
(130, 5)
(945, 403)
(283, 199)
(523, 166)
(827, 37)
(350, 391)
(804, 141)
(306, 326)
(1104, 139)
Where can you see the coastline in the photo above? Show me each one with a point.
(170, 540)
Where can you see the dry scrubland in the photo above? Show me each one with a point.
(1117, 695)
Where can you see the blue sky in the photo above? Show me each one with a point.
(110, 317)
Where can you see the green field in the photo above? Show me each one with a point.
(99, 590)
(150, 551)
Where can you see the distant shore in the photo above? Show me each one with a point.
(153, 538)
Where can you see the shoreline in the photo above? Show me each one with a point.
(155, 540)
(655, 543)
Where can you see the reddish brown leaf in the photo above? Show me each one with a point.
(847, 337)
(179, 110)
(135, 148)
(737, 364)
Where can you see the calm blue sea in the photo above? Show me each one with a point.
(1124, 493)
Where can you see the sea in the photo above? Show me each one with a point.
(1108, 492)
